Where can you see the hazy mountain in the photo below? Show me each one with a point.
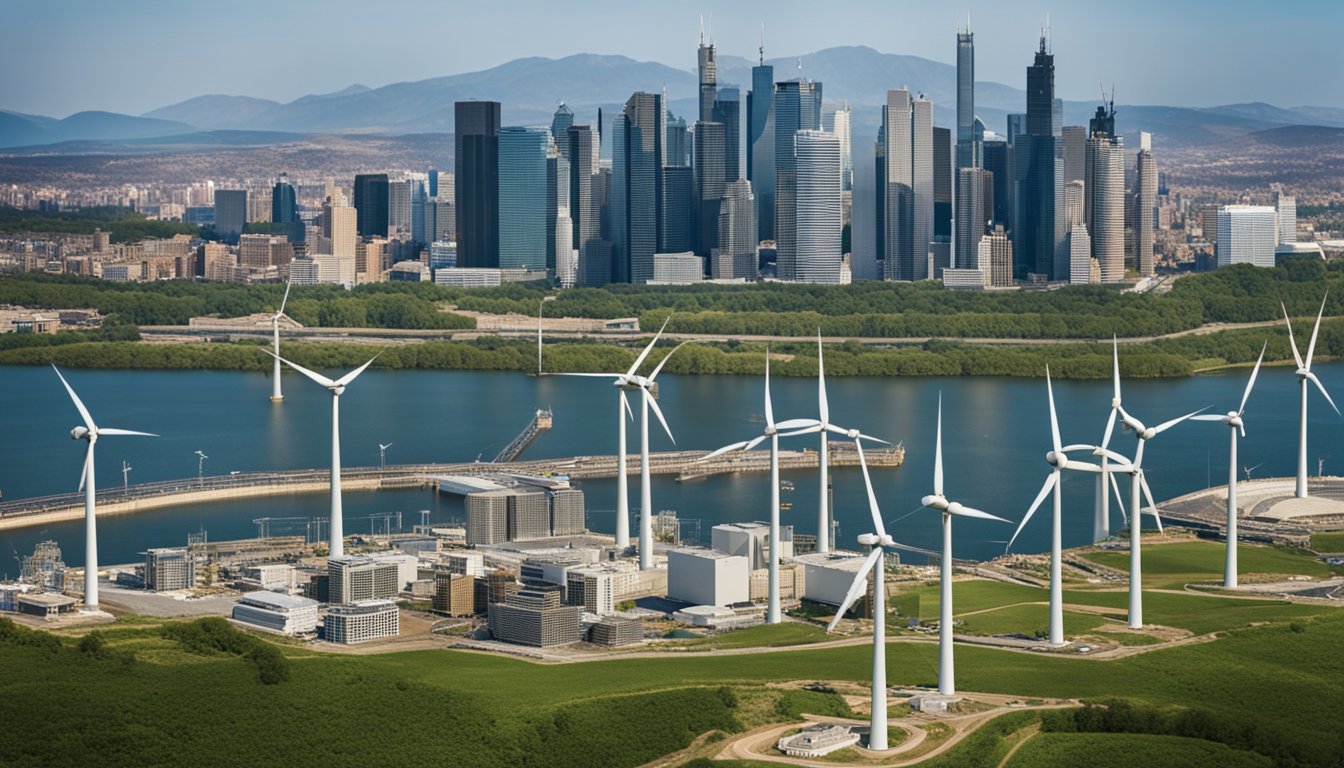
(19, 130)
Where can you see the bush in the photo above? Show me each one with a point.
(215, 636)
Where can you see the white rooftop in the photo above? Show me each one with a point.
(276, 600)
(841, 561)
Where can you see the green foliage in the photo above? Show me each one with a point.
(214, 635)
(1065, 750)
(988, 745)
(1328, 542)
(19, 636)
(1175, 565)
(123, 224)
(1123, 716)
(793, 704)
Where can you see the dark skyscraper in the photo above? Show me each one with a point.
(476, 182)
(999, 162)
(371, 195)
(637, 160)
(797, 108)
(582, 160)
(709, 184)
(942, 182)
(728, 111)
(760, 145)
(678, 142)
(1035, 235)
(709, 78)
(285, 210)
(968, 143)
(677, 216)
(1041, 93)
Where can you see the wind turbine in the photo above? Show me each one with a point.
(937, 501)
(90, 433)
(336, 387)
(771, 431)
(1101, 523)
(1059, 461)
(1138, 482)
(1304, 375)
(1234, 422)
(382, 455)
(623, 382)
(874, 564)
(646, 387)
(200, 466)
(276, 394)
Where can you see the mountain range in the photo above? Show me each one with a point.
(530, 89)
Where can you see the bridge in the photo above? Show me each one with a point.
(686, 465)
(539, 423)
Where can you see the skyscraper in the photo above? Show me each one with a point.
(760, 145)
(898, 199)
(968, 145)
(230, 213)
(840, 122)
(921, 163)
(582, 164)
(817, 255)
(557, 200)
(561, 122)
(522, 212)
(1073, 140)
(728, 112)
(735, 256)
(797, 108)
(1145, 204)
(1104, 196)
(864, 218)
(678, 142)
(971, 216)
(476, 182)
(1035, 235)
(1246, 235)
(709, 79)
(709, 185)
(285, 209)
(1286, 206)
(636, 186)
(943, 179)
(677, 223)
(1080, 255)
(371, 191)
(998, 156)
(399, 205)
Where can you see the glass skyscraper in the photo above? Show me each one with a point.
(1036, 238)
(637, 162)
(817, 208)
(371, 193)
(476, 182)
(522, 197)
(797, 108)
(760, 146)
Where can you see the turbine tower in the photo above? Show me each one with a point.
(276, 394)
(623, 382)
(937, 501)
(1234, 422)
(647, 388)
(336, 387)
(90, 433)
(876, 542)
(1059, 461)
(1138, 482)
(1304, 375)
(1101, 523)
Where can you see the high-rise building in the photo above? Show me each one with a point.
(678, 142)
(285, 209)
(709, 185)
(371, 196)
(1074, 205)
(1145, 205)
(354, 579)
(817, 214)
(1104, 196)
(557, 199)
(797, 108)
(259, 251)
(677, 223)
(728, 112)
(760, 145)
(1017, 126)
(1036, 236)
(523, 221)
(1080, 255)
(1286, 206)
(735, 256)
(997, 250)
(971, 216)
(944, 177)
(840, 126)
(534, 616)
(998, 157)
(400, 214)
(1073, 141)
(709, 79)
(440, 221)
(476, 182)
(561, 122)
(583, 205)
(230, 213)
(636, 187)
(435, 187)
(1247, 234)
(907, 207)
(169, 569)
(865, 219)
(968, 143)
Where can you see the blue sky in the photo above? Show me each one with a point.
(63, 56)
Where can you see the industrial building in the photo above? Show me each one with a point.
(567, 512)
(536, 617)
(529, 516)
(752, 541)
(790, 582)
(509, 507)
(277, 612)
(454, 593)
(707, 577)
(169, 569)
(361, 622)
(9, 595)
(354, 579)
(613, 631)
(827, 576)
(487, 517)
(47, 605)
(818, 740)
(269, 576)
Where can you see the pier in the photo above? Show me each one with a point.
(685, 465)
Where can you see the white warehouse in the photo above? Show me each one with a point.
(707, 577)
(277, 612)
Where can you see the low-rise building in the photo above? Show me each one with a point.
(454, 593)
(277, 612)
(613, 631)
(169, 569)
(707, 577)
(790, 582)
(827, 576)
(361, 622)
(46, 605)
(354, 578)
(536, 617)
(818, 740)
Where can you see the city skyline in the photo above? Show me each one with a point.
(89, 36)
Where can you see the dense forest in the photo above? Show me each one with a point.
(124, 225)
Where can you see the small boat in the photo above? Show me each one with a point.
(786, 505)
(786, 485)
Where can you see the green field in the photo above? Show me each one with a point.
(1172, 566)
(763, 636)
(1126, 750)
(1328, 542)
(1028, 620)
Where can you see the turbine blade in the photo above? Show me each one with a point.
(796, 432)
(796, 423)
(659, 413)
(1115, 368)
(589, 375)
(1254, 372)
(1209, 417)
(1054, 418)
(723, 450)
(317, 377)
(84, 473)
(285, 300)
(1321, 387)
(1079, 447)
(769, 409)
(79, 404)
(1110, 427)
(755, 441)
(1081, 466)
(640, 360)
(965, 511)
(1148, 495)
(1316, 329)
(351, 376)
(1291, 341)
(823, 407)
(872, 497)
(1138, 454)
(857, 588)
(1164, 426)
(128, 432)
(1119, 501)
(1113, 456)
(1045, 490)
(666, 357)
(938, 451)
(626, 402)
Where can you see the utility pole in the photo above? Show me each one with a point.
(125, 471)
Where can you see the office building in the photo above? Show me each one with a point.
(561, 122)
(1035, 235)
(840, 126)
(1247, 234)
(230, 214)
(529, 516)
(616, 631)
(466, 563)
(353, 579)
(285, 210)
(1145, 205)
(728, 113)
(557, 200)
(1080, 255)
(865, 217)
(1073, 148)
(584, 206)
(735, 256)
(677, 268)
(895, 183)
(454, 593)
(440, 221)
(636, 187)
(752, 541)
(361, 622)
(677, 217)
(996, 250)
(709, 185)
(261, 251)
(535, 617)
(277, 612)
(371, 204)
(169, 569)
(678, 142)
(522, 204)
(968, 143)
(797, 108)
(998, 162)
(944, 178)
(761, 145)
(817, 254)
(1286, 207)
(1074, 209)
(1104, 196)
(921, 157)
(487, 517)
(970, 219)
(707, 577)
(706, 59)
(476, 182)
(400, 209)
(567, 512)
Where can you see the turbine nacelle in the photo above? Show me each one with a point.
(869, 539)
(1056, 459)
(81, 433)
(937, 502)
(1303, 373)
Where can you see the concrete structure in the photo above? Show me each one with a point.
(454, 593)
(715, 617)
(975, 279)
(614, 631)
(487, 517)
(466, 563)
(752, 541)
(827, 576)
(1247, 234)
(790, 583)
(357, 579)
(817, 215)
(535, 617)
(361, 622)
(818, 740)
(1104, 204)
(46, 605)
(9, 595)
(996, 250)
(277, 612)
(270, 576)
(1080, 255)
(529, 516)
(735, 257)
(169, 569)
(1145, 205)
(567, 512)
(677, 268)
(707, 577)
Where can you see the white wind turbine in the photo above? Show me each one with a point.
(336, 387)
(623, 383)
(276, 394)
(1304, 375)
(1138, 482)
(1101, 523)
(949, 509)
(874, 564)
(1059, 461)
(90, 433)
(823, 426)
(1234, 422)
(646, 400)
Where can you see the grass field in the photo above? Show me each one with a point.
(1126, 750)
(1172, 566)
(1328, 542)
(763, 636)
(1027, 620)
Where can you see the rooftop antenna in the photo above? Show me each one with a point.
(702, 30)
(761, 51)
